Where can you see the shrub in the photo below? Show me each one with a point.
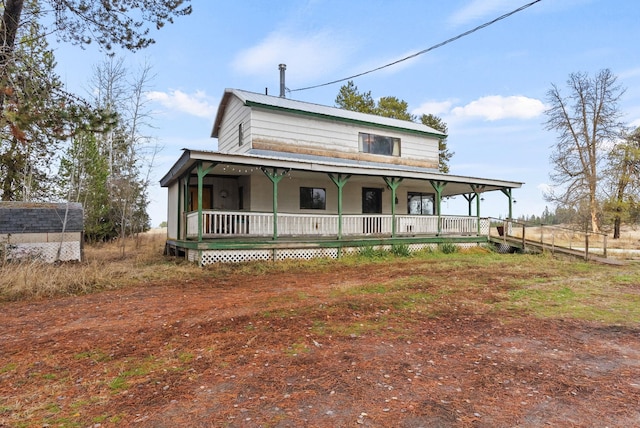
(400, 250)
(448, 248)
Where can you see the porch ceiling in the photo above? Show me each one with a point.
(360, 171)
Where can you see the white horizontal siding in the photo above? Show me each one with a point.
(332, 136)
(235, 114)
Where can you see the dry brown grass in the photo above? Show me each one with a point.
(104, 267)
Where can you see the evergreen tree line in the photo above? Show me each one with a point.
(58, 146)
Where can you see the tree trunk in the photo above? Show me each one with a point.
(616, 227)
(8, 30)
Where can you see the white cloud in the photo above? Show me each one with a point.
(495, 107)
(433, 107)
(478, 9)
(197, 104)
(308, 57)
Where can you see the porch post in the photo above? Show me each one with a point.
(275, 178)
(339, 180)
(476, 190)
(470, 197)
(438, 186)
(393, 184)
(202, 172)
(507, 193)
(186, 178)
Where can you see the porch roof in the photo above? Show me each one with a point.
(456, 184)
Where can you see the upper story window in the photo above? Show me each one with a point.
(313, 198)
(240, 134)
(379, 144)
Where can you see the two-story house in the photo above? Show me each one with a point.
(293, 179)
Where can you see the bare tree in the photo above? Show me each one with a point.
(587, 122)
(623, 180)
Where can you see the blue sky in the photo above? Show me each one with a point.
(489, 87)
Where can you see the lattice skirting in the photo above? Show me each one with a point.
(207, 257)
(44, 251)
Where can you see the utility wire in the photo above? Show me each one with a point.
(446, 42)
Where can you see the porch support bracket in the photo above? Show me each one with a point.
(477, 189)
(340, 180)
(393, 183)
(438, 187)
(507, 192)
(470, 197)
(202, 172)
(275, 175)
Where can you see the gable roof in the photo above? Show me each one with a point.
(253, 99)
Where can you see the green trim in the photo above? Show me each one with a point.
(507, 192)
(393, 184)
(476, 190)
(470, 197)
(339, 180)
(202, 172)
(248, 244)
(438, 186)
(275, 178)
(344, 119)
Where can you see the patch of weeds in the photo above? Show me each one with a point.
(49, 376)
(319, 328)
(400, 250)
(412, 301)
(447, 248)
(97, 356)
(368, 289)
(100, 418)
(296, 349)
(116, 418)
(186, 357)
(356, 329)
(63, 422)
(53, 407)
(9, 367)
(372, 253)
(117, 384)
(6, 409)
(276, 313)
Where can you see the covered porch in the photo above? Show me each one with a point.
(275, 201)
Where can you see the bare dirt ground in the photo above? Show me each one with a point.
(294, 350)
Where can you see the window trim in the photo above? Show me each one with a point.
(322, 206)
(422, 195)
(366, 140)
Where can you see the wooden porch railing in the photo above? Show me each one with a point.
(550, 237)
(220, 224)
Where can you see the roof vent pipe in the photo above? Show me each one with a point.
(282, 68)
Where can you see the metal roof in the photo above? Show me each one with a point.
(302, 107)
(319, 164)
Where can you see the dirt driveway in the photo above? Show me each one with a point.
(292, 350)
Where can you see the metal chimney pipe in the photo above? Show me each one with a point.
(282, 68)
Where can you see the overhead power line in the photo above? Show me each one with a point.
(446, 42)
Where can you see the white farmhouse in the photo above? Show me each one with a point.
(293, 179)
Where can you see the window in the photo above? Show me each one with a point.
(420, 203)
(313, 198)
(240, 134)
(379, 144)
